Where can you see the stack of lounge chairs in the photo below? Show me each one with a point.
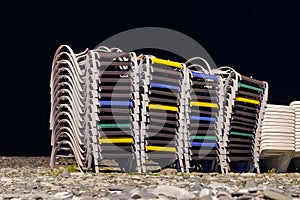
(161, 140)
(143, 111)
(245, 103)
(204, 117)
(68, 108)
(280, 137)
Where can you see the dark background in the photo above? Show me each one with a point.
(256, 38)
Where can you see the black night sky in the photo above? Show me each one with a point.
(256, 38)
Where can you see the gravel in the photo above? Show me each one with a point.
(30, 178)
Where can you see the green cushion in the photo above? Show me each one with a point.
(203, 137)
(114, 126)
(241, 134)
(250, 87)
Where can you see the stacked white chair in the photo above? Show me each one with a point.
(295, 162)
(68, 94)
(296, 106)
(278, 136)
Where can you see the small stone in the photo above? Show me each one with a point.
(119, 188)
(196, 193)
(248, 174)
(235, 194)
(65, 174)
(90, 198)
(275, 190)
(46, 184)
(62, 195)
(213, 178)
(295, 195)
(136, 178)
(185, 175)
(275, 195)
(260, 196)
(215, 185)
(136, 196)
(250, 184)
(174, 192)
(243, 191)
(55, 188)
(214, 192)
(115, 197)
(206, 197)
(141, 193)
(224, 196)
(204, 192)
(115, 192)
(169, 171)
(245, 197)
(87, 198)
(196, 187)
(162, 197)
(8, 196)
(35, 197)
(120, 196)
(106, 194)
(240, 192)
(34, 187)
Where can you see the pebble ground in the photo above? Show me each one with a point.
(31, 178)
